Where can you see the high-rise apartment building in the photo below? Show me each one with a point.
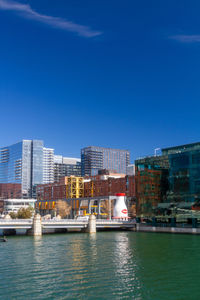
(24, 163)
(66, 166)
(94, 159)
(48, 165)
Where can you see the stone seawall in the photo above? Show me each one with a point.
(145, 228)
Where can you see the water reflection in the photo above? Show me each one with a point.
(72, 266)
(93, 237)
(37, 244)
(93, 247)
(122, 252)
(126, 264)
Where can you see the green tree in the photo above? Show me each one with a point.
(13, 215)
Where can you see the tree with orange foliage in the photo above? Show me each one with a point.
(63, 208)
(105, 207)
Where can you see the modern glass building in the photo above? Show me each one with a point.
(66, 166)
(169, 180)
(94, 159)
(151, 180)
(184, 173)
(23, 163)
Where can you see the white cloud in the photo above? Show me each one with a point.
(186, 38)
(25, 11)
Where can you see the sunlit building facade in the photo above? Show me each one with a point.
(22, 163)
(66, 166)
(48, 165)
(94, 159)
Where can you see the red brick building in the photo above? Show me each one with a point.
(10, 191)
(98, 187)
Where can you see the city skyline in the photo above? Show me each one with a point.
(60, 155)
(78, 76)
(29, 163)
(99, 149)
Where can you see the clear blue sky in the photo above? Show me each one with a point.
(122, 74)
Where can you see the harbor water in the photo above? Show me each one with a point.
(106, 265)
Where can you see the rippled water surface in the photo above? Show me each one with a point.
(106, 265)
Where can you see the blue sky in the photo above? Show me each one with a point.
(122, 74)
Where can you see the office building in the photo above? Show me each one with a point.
(94, 159)
(66, 166)
(23, 163)
(169, 180)
(151, 183)
(184, 173)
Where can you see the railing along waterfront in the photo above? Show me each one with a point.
(58, 224)
(30, 221)
(179, 221)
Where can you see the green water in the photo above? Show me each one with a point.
(108, 265)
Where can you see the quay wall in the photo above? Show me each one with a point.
(185, 230)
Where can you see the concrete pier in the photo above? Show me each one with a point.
(36, 229)
(91, 228)
(147, 228)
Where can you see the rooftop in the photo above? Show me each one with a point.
(105, 148)
(186, 147)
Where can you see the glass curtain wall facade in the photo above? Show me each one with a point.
(37, 164)
(11, 164)
(116, 160)
(26, 170)
(22, 163)
(91, 160)
(66, 166)
(151, 178)
(169, 180)
(62, 170)
(184, 173)
(94, 159)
